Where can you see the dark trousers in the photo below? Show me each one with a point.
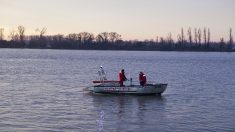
(142, 83)
(121, 83)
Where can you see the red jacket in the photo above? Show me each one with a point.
(121, 77)
(142, 78)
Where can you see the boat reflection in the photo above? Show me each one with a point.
(116, 112)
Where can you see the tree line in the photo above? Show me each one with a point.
(196, 39)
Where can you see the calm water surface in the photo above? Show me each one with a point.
(41, 90)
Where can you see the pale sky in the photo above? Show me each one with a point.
(133, 19)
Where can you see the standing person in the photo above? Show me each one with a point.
(142, 79)
(122, 77)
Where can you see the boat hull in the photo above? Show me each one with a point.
(149, 89)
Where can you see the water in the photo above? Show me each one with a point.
(41, 90)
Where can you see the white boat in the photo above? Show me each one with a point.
(104, 86)
(111, 88)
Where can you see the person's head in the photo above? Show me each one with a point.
(141, 73)
(123, 70)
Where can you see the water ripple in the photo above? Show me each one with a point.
(42, 90)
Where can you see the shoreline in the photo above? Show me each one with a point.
(125, 50)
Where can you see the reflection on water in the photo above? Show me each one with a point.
(120, 109)
(100, 121)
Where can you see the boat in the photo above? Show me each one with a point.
(104, 86)
(148, 89)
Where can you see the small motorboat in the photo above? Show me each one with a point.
(149, 89)
(104, 86)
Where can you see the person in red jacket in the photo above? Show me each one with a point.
(142, 79)
(122, 77)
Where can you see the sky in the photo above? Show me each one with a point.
(133, 19)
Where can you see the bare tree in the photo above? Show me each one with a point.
(162, 41)
(182, 35)
(13, 36)
(204, 35)
(42, 32)
(190, 36)
(58, 37)
(169, 38)
(222, 40)
(222, 43)
(1, 33)
(157, 39)
(85, 37)
(195, 35)
(72, 37)
(208, 36)
(230, 42)
(180, 40)
(199, 34)
(230, 36)
(113, 37)
(102, 37)
(21, 31)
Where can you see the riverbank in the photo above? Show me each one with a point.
(120, 45)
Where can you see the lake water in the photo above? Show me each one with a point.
(42, 90)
